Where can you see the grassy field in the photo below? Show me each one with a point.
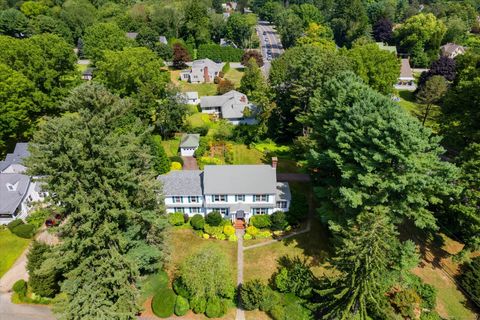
(11, 248)
(407, 102)
(244, 155)
(183, 243)
(171, 146)
(235, 75)
(199, 119)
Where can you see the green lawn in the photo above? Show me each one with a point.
(171, 146)
(244, 155)
(234, 75)
(11, 248)
(199, 119)
(408, 103)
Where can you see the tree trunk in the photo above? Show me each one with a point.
(427, 110)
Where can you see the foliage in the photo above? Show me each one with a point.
(180, 288)
(180, 56)
(406, 301)
(213, 218)
(252, 294)
(225, 86)
(279, 220)
(294, 276)
(181, 306)
(25, 231)
(253, 83)
(176, 219)
(14, 223)
(252, 54)
(42, 283)
(38, 217)
(383, 30)
(298, 210)
(202, 147)
(216, 52)
(470, 279)
(229, 230)
(240, 29)
(260, 221)
(163, 303)
(197, 221)
(368, 168)
(161, 162)
(103, 36)
(247, 237)
(364, 253)
(431, 93)
(252, 231)
(13, 23)
(378, 68)
(233, 238)
(168, 112)
(215, 231)
(349, 21)
(198, 305)
(290, 307)
(175, 165)
(20, 287)
(318, 35)
(206, 275)
(98, 166)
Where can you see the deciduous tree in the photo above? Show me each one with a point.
(431, 93)
(103, 36)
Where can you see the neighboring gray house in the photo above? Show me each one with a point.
(230, 106)
(18, 191)
(202, 71)
(236, 191)
(188, 144)
(406, 81)
(451, 50)
(192, 97)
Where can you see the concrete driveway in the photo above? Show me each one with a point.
(10, 311)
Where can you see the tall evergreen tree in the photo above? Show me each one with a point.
(349, 22)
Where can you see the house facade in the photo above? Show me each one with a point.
(451, 50)
(406, 80)
(201, 71)
(230, 106)
(18, 191)
(236, 191)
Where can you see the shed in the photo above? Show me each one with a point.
(189, 144)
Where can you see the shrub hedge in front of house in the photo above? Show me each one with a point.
(176, 219)
(24, 231)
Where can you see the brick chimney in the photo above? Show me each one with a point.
(206, 77)
(274, 162)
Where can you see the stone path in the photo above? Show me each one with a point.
(239, 233)
(190, 163)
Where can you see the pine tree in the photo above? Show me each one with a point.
(364, 253)
(161, 162)
(43, 283)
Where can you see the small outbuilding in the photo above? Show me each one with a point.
(87, 75)
(189, 144)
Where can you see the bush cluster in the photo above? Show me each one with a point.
(260, 221)
(20, 229)
(228, 230)
(20, 287)
(176, 219)
(216, 52)
(214, 218)
(197, 222)
(181, 306)
(177, 159)
(163, 303)
(279, 220)
(180, 288)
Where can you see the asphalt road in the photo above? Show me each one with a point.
(269, 41)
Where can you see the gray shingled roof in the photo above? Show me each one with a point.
(283, 191)
(190, 140)
(232, 104)
(406, 72)
(10, 200)
(240, 179)
(21, 152)
(182, 183)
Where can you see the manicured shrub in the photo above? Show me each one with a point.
(176, 219)
(197, 222)
(177, 159)
(214, 218)
(252, 231)
(206, 236)
(260, 221)
(214, 308)
(24, 231)
(232, 238)
(20, 287)
(270, 299)
(181, 306)
(14, 224)
(176, 166)
(214, 231)
(247, 237)
(163, 303)
(198, 305)
(226, 222)
(229, 230)
(252, 294)
(279, 220)
(221, 236)
(180, 288)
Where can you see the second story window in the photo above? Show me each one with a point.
(219, 198)
(240, 197)
(260, 198)
(282, 204)
(177, 199)
(193, 199)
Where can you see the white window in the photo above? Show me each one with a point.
(282, 204)
(177, 199)
(260, 198)
(260, 210)
(240, 197)
(219, 198)
(10, 187)
(193, 199)
(195, 210)
(182, 210)
(223, 211)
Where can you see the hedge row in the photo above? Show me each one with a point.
(20, 229)
(216, 52)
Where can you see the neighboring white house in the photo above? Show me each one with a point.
(189, 144)
(201, 71)
(451, 50)
(230, 106)
(236, 191)
(406, 81)
(18, 191)
(192, 97)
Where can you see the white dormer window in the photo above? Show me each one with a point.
(12, 187)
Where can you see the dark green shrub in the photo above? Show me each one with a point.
(161, 163)
(180, 288)
(252, 294)
(44, 284)
(24, 230)
(216, 52)
(279, 220)
(214, 218)
(177, 159)
(198, 305)
(298, 210)
(20, 287)
(38, 217)
(197, 222)
(202, 146)
(270, 299)
(261, 221)
(176, 219)
(14, 224)
(214, 308)
(294, 276)
(181, 306)
(470, 278)
(163, 303)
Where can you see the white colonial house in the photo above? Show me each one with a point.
(18, 191)
(201, 71)
(188, 144)
(236, 191)
(231, 106)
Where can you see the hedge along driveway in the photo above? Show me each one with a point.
(11, 248)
